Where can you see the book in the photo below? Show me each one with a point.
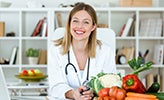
(149, 80)
(158, 27)
(46, 31)
(38, 27)
(43, 57)
(17, 57)
(128, 52)
(2, 29)
(163, 24)
(127, 27)
(58, 20)
(122, 29)
(132, 53)
(132, 28)
(158, 54)
(151, 27)
(144, 27)
(161, 73)
(13, 56)
(44, 27)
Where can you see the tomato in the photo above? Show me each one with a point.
(117, 93)
(103, 92)
(107, 98)
(100, 98)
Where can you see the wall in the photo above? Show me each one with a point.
(161, 3)
(53, 3)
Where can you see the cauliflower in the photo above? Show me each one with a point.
(104, 80)
(109, 80)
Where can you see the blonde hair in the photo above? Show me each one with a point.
(66, 40)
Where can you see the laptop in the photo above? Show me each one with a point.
(5, 95)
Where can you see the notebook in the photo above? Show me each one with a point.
(5, 95)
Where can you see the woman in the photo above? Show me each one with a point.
(82, 52)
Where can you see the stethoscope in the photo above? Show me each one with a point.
(70, 64)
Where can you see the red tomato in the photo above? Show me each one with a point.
(117, 93)
(100, 98)
(107, 98)
(103, 92)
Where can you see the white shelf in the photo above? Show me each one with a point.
(36, 66)
(27, 87)
(23, 21)
(34, 38)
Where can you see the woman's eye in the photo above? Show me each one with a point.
(74, 21)
(86, 22)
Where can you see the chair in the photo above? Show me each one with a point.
(104, 34)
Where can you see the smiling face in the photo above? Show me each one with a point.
(81, 26)
(81, 29)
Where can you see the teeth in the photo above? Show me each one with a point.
(79, 32)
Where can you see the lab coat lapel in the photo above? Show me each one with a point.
(86, 70)
(92, 67)
(74, 61)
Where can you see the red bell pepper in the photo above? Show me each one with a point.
(132, 83)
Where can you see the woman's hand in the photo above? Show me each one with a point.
(82, 93)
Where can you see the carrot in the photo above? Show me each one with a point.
(139, 98)
(147, 96)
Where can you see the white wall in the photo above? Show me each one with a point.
(161, 3)
(53, 3)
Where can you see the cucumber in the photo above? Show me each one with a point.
(153, 88)
(159, 95)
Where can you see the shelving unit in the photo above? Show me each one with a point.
(23, 22)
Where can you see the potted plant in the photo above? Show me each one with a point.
(33, 55)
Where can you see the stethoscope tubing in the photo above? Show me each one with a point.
(69, 63)
(66, 71)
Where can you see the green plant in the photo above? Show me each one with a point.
(32, 52)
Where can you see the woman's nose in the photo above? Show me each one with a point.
(80, 25)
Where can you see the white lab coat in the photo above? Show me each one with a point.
(103, 62)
